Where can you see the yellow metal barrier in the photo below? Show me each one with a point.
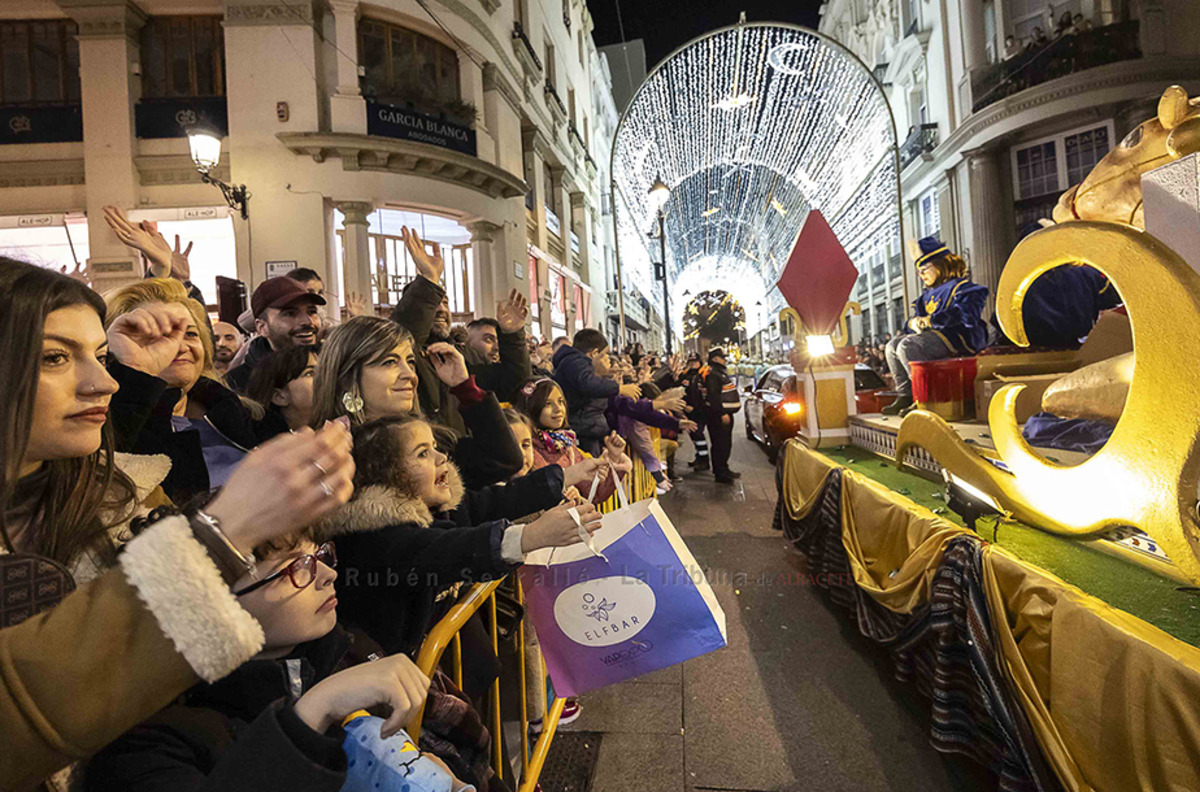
(445, 635)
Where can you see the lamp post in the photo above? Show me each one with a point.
(659, 194)
(761, 328)
(205, 147)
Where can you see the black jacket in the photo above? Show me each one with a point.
(510, 373)
(714, 389)
(397, 559)
(486, 452)
(239, 378)
(141, 418)
(586, 394)
(240, 733)
(694, 394)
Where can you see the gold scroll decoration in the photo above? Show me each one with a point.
(841, 333)
(1147, 473)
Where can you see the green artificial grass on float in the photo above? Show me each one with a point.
(1160, 601)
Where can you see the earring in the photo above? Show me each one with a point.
(352, 402)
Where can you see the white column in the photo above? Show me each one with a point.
(108, 46)
(356, 266)
(974, 48)
(987, 237)
(489, 286)
(347, 108)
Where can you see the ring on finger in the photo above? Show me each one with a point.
(319, 467)
(325, 488)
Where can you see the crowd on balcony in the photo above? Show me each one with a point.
(271, 513)
(1072, 43)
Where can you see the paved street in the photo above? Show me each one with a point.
(797, 701)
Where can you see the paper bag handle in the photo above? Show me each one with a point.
(584, 536)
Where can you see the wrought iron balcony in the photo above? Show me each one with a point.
(921, 140)
(552, 98)
(520, 36)
(1067, 54)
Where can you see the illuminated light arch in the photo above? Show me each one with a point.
(751, 126)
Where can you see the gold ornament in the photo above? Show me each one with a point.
(1146, 474)
(1113, 189)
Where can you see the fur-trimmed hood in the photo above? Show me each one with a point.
(379, 506)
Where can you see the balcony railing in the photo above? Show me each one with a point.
(574, 131)
(1070, 53)
(519, 34)
(921, 140)
(552, 97)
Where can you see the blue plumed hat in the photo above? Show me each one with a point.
(932, 248)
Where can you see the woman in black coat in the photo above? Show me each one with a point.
(183, 410)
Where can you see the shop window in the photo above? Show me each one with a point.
(1041, 170)
(1083, 151)
(39, 62)
(1037, 170)
(403, 67)
(183, 56)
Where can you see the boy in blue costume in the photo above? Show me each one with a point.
(947, 321)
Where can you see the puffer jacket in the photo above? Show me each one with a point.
(586, 394)
(400, 565)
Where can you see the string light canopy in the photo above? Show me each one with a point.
(750, 127)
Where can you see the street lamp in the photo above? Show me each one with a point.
(205, 146)
(659, 194)
(761, 329)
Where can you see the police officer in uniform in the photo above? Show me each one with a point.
(723, 403)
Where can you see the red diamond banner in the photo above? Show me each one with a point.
(818, 277)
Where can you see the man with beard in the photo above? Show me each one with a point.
(424, 311)
(496, 352)
(285, 315)
(227, 340)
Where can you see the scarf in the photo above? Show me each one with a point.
(555, 441)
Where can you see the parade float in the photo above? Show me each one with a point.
(1045, 602)
(1045, 599)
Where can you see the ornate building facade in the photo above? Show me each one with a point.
(469, 120)
(1000, 106)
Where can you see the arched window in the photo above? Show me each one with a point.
(408, 69)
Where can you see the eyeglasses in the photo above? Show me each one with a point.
(302, 571)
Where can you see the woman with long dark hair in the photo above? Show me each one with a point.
(368, 370)
(82, 665)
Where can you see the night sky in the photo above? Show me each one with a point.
(667, 24)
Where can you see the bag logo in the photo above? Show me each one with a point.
(599, 612)
(605, 611)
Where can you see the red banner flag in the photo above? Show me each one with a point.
(818, 277)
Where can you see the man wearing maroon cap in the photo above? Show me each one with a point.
(285, 315)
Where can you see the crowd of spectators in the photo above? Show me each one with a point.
(243, 531)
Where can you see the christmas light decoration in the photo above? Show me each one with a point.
(751, 127)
